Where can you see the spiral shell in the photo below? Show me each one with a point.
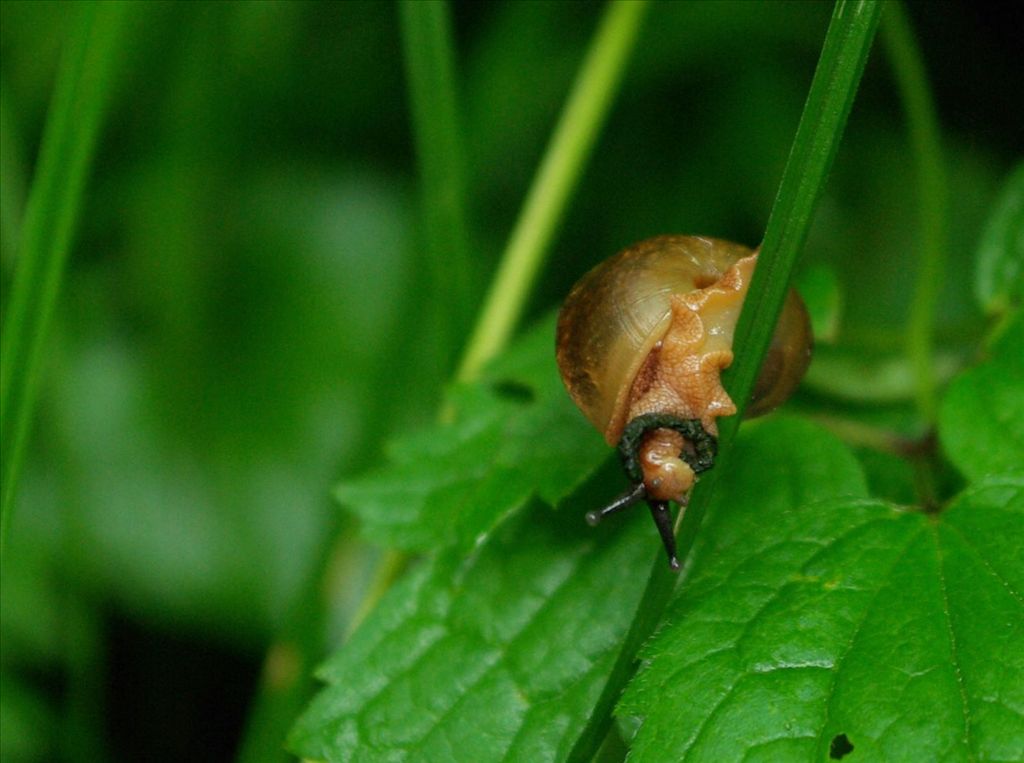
(620, 312)
(642, 340)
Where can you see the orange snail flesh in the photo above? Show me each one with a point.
(641, 343)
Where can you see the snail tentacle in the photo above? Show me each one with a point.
(634, 495)
(663, 521)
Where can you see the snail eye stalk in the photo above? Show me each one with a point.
(634, 495)
(663, 521)
(659, 512)
(704, 449)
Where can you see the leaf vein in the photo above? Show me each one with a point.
(488, 671)
(837, 666)
(825, 547)
(1014, 593)
(952, 643)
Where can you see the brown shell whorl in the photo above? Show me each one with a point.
(617, 314)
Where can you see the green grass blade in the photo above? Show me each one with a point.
(563, 163)
(430, 70)
(12, 179)
(925, 144)
(67, 149)
(836, 78)
(817, 139)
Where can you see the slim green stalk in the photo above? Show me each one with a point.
(923, 128)
(12, 178)
(68, 145)
(566, 155)
(429, 55)
(817, 139)
(821, 126)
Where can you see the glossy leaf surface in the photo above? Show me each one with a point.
(847, 621)
(524, 630)
(497, 656)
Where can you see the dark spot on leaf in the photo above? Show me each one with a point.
(840, 747)
(513, 391)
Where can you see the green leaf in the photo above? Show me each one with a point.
(501, 655)
(516, 434)
(821, 292)
(981, 421)
(999, 283)
(805, 627)
(498, 656)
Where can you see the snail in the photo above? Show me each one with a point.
(641, 342)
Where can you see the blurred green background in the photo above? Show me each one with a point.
(247, 315)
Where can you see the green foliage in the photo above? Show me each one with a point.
(515, 435)
(799, 584)
(819, 286)
(982, 416)
(497, 655)
(814, 619)
(809, 611)
(802, 621)
(503, 630)
(287, 227)
(1000, 283)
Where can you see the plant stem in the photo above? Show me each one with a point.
(863, 435)
(560, 170)
(923, 128)
(68, 145)
(430, 69)
(836, 78)
(814, 147)
(12, 170)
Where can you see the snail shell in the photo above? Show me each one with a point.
(641, 343)
(678, 293)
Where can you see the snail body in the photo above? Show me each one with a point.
(641, 343)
